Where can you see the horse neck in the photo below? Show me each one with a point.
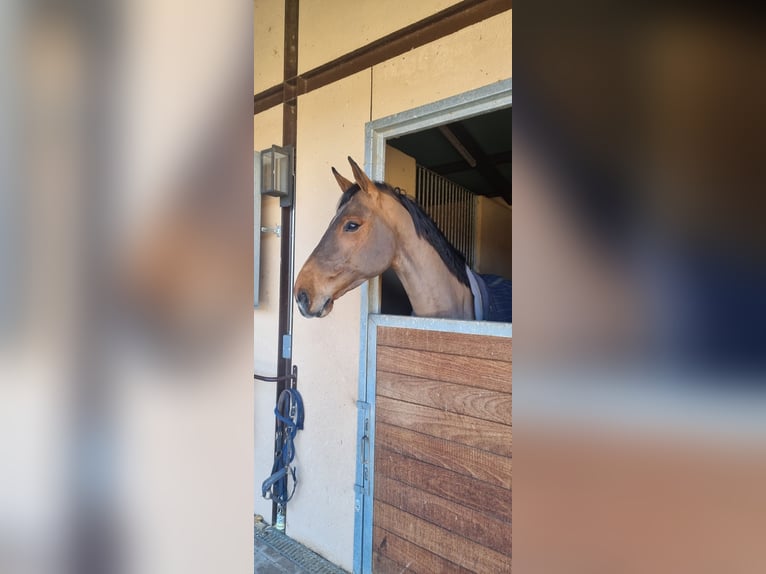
(432, 288)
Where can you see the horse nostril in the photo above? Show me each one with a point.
(303, 299)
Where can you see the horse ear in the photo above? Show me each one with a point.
(361, 178)
(344, 184)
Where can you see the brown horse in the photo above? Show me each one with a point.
(377, 227)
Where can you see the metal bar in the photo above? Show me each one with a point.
(461, 218)
(445, 207)
(431, 193)
(419, 196)
(469, 231)
(442, 198)
(453, 211)
(430, 189)
(468, 228)
(287, 240)
(445, 203)
(444, 325)
(462, 223)
(451, 206)
(420, 191)
(291, 377)
(474, 203)
(268, 99)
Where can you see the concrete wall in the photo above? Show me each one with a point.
(494, 221)
(331, 124)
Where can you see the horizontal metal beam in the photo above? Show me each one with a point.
(429, 29)
(269, 98)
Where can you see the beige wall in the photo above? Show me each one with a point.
(494, 221)
(331, 126)
(269, 38)
(401, 170)
(471, 58)
(331, 29)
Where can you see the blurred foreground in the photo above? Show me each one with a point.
(640, 326)
(126, 292)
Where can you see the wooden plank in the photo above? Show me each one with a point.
(456, 518)
(392, 549)
(485, 435)
(381, 564)
(466, 460)
(470, 492)
(450, 546)
(482, 373)
(480, 346)
(461, 399)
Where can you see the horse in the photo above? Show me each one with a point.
(377, 227)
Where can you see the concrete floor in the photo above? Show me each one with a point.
(276, 553)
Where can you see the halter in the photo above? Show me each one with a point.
(289, 412)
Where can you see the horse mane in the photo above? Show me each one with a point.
(424, 227)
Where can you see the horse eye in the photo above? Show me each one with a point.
(350, 226)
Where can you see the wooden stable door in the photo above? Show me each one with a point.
(441, 495)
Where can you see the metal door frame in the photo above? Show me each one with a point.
(472, 103)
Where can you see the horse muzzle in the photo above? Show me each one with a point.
(304, 305)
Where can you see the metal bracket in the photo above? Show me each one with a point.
(364, 449)
(277, 230)
(287, 346)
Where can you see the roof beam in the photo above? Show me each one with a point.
(459, 147)
(484, 165)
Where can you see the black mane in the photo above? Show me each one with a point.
(424, 227)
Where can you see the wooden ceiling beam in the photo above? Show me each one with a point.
(487, 169)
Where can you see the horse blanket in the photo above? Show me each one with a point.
(492, 297)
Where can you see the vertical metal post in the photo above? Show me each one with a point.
(287, 246)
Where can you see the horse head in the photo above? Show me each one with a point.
(359, 244)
